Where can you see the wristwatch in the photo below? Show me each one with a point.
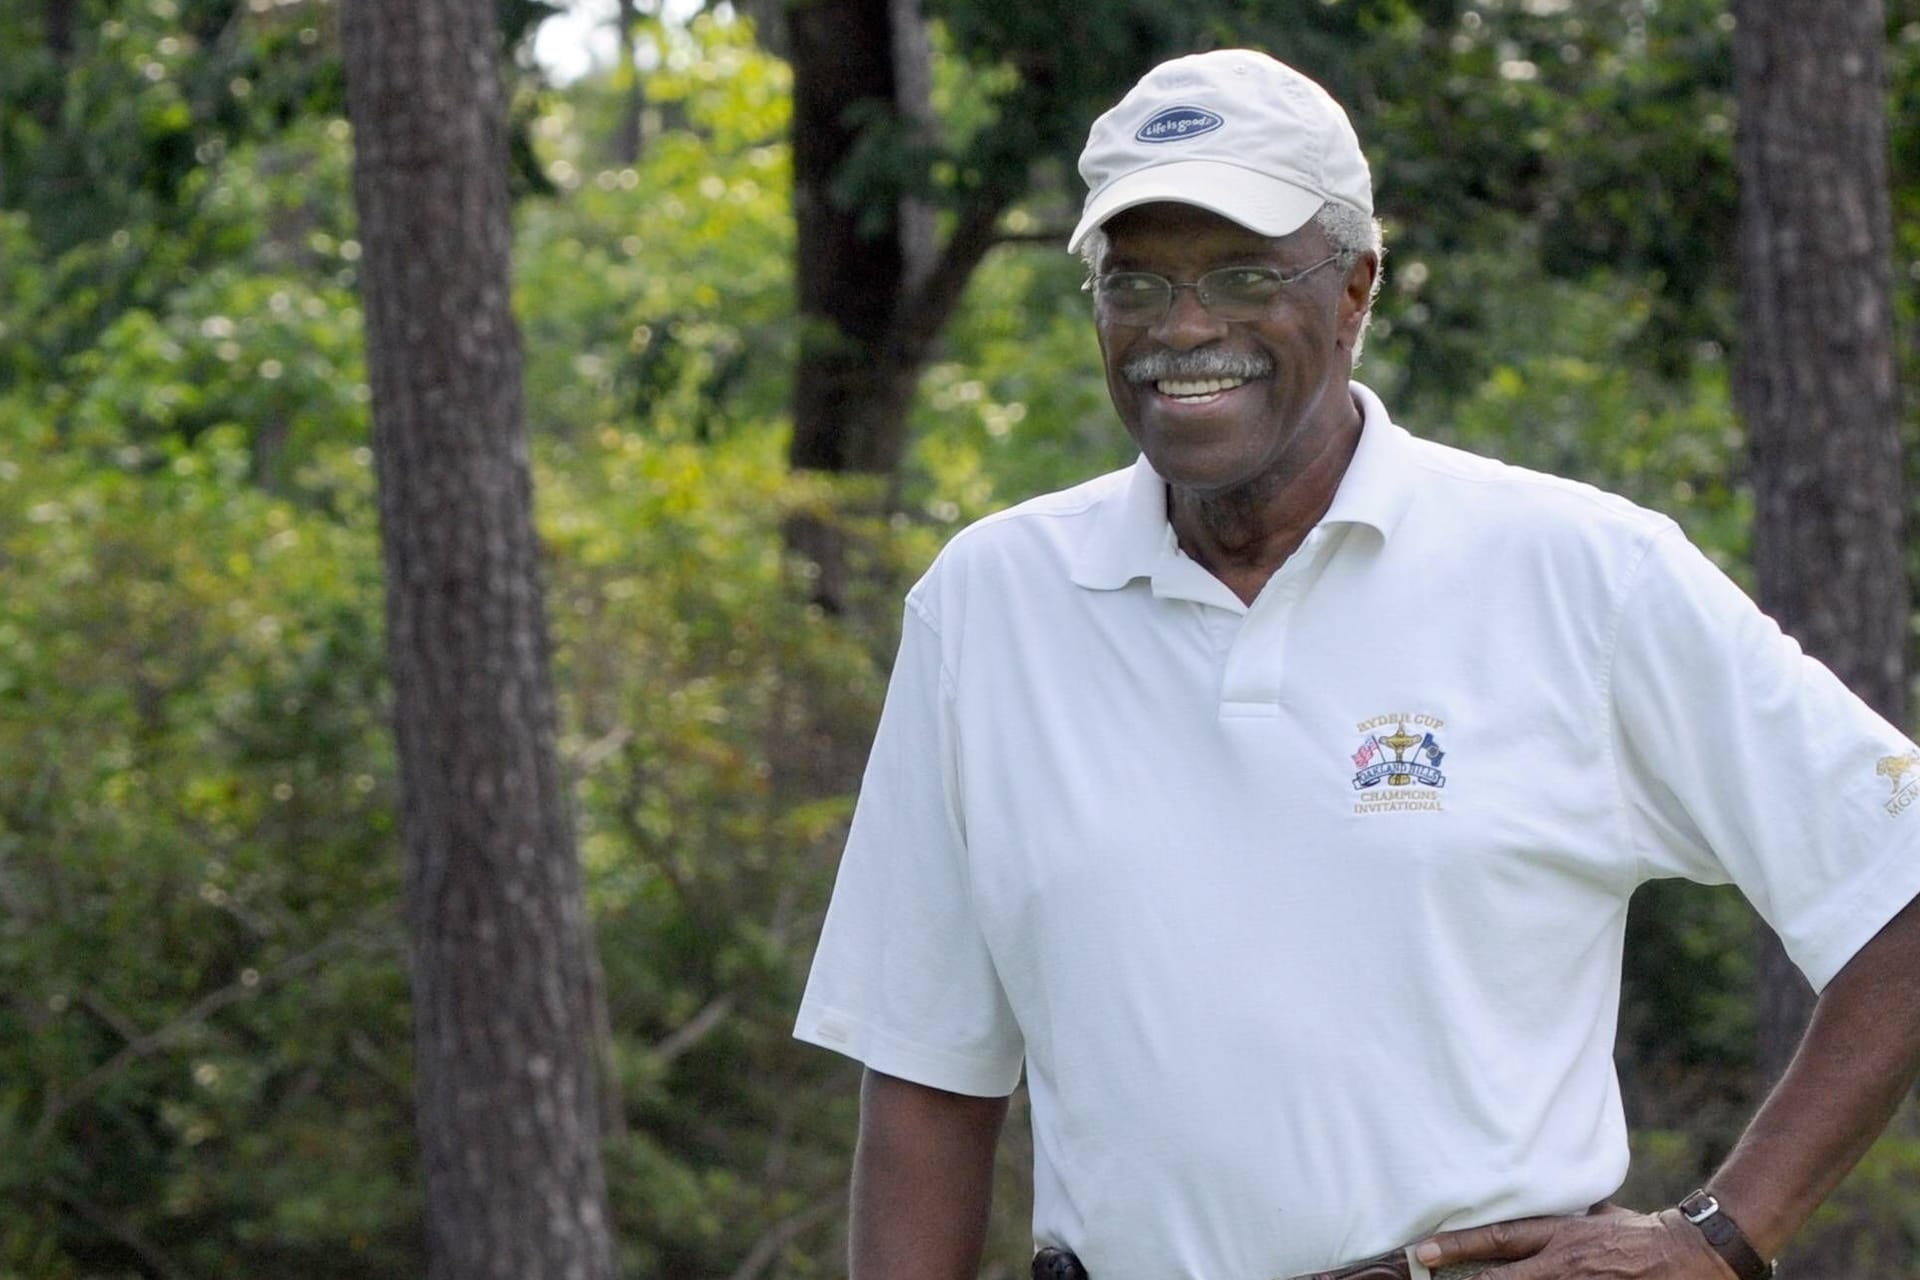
(1724, 1235)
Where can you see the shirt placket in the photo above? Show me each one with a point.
(1255, 673)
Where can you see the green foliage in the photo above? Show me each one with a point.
(1019, 405)
(1560, 387)
(109, 146)
(158, 381)
(686, 659)
(661, 293)
(1874, 1216)
(201, 1028)
(703, 699)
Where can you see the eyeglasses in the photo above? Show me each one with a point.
(1140, 298)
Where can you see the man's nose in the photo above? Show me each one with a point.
(1187, 323)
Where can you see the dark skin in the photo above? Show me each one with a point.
(1251, 468)
(922, 1181)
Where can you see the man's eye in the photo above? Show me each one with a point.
(1246, 280)
(1134, 284)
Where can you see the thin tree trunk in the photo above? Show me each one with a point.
(60, 31)
(913, 98)
(770, 31)
(1816, 381)
(59, 20)
(503, 985)
(852, 271)
(849, 407)
(876, 287)
(627, 139)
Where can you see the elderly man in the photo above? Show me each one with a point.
(1275, 803)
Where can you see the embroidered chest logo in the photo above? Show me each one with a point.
(1398, 763)
(1895, 769)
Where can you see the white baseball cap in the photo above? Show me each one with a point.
(1236, 133)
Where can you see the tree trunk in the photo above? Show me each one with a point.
(769, 19)
(875, 288)
(1816, 377)
(626, 139)
(850, 400)
(504, 985)
(59, 15)
(913, 99)
(59, 19)
(851, 265)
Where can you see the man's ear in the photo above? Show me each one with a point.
(1356, 295)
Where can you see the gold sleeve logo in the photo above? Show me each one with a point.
(1895, 769)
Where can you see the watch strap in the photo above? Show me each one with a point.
(1724, 1236)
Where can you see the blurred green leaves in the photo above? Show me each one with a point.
(194, 766)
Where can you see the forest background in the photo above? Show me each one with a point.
(205, 1058)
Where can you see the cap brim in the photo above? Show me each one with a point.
(1254, 200)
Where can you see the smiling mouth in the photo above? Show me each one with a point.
(1196, 390)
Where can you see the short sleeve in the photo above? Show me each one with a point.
(1742, 759)
(903, 980)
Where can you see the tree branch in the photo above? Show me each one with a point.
(199, 1012)
(119, 1228)
(693, 1030)
(927, 309)
(596, 753)
(1046, 235)
(123, 1026)
(785, 1232)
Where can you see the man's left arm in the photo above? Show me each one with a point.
(1860, 1056)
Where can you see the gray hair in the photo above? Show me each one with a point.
(1350, 232)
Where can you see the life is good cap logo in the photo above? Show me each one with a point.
(1176, 124)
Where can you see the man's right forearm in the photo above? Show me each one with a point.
(922, 1181)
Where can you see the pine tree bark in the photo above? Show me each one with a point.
(504, 985)
(1816, 377)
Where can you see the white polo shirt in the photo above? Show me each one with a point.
(1305, 918)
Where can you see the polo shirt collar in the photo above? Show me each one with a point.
(1129, 536)
(1377, 487)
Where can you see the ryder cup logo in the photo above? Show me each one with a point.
(1176, 124)
(1399, 770)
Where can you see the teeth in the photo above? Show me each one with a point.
(1187, 390)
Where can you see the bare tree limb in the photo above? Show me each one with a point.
(1057, 236)
(783, 1233)
(119, 1228)
(200, 1011)
(591, 756)
(693, 1030)
(927, 309)
(123, 1026)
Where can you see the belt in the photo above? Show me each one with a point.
(1053, 1263)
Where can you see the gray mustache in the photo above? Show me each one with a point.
(1157, 366)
